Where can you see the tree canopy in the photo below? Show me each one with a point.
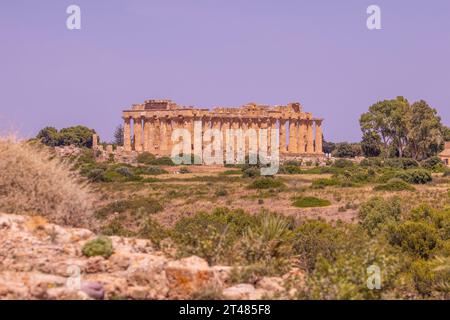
(79, 136)
(397, 128)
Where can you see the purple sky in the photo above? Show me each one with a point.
(209, 53)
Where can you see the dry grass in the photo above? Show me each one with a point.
(34, 182)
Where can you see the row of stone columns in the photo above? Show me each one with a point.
(154, 134)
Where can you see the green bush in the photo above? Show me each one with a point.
(251, 172)
(116, 227)
(316, 238)
(162, 161)
(401, 163)
(417, 238)
(211, 236)
(138, 205)
(124, 171)
(342, 163)
(432, 163)
(221, 192)
(101, 246)
(310, 202)
(96, 175)
(184, 170)
(394, 185)
(376, 213)
(268, 243)
(153, 231)
(266, 183)
(290, 169)
(154, 170)
(415, 176)
(145, 158)
(322, 183)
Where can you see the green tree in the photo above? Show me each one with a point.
(328, 147)
(347, 150)
(425, 131)
(403, 129)
(118, 135)
(446, 133)
(388, 120)
(371, 144)
(49, 136)
(79, 136)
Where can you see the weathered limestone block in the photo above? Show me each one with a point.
(188, 276)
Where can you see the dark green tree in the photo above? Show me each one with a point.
(425, 131)
(371, 144)
(48, 136)
(118, 135)
(347, 150)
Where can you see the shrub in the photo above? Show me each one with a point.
(154, 170)
(290, 169)
(251, 172)
(268, 242)
(316, 238)
(211, 236)
(310, 202)
(401, 163)
(116, 228)
(101, 246)
(137, 205)
(417, 238)
(371, 162)
(342, 163)
(322, 183)
(153, 231)
(184, 170)
(415, 176)
(162, 161)
(145, 158)
(394, 185)
(446, 173)
(96, 175)
(34, 181)
(266, 183)
(377, 212)
(432, 163)
(125, 171)
(221, 192)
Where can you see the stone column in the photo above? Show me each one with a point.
(153, 136)
(169, 130)
(126, 134)
(163, 136)
(147, 134)
(309, 138)
(245, 126)
(225, 124)
(188, 124)
(301, 136)
(138, 134)
(292, 136)
(273, 127)
(318, 144)
(283, 136)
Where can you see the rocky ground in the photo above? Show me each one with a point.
(40, 260)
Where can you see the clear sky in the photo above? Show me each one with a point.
(209, 53)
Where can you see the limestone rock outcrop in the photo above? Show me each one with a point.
(39, 260)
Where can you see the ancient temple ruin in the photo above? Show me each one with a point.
(148, 126)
